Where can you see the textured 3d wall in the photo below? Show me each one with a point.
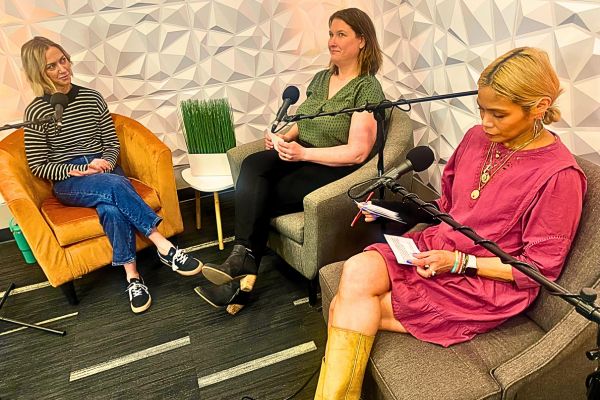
(146, 56)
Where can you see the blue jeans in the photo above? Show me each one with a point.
(121, 210)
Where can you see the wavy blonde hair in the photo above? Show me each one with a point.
(370, 57)
(524, 76)
(33, 58)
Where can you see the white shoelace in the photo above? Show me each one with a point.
(136, 289)
(180, 257)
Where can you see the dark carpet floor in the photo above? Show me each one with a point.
(189, 349)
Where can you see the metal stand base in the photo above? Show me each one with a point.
(12, 321)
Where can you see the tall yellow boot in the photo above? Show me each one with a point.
(319, 392)
(343, 368)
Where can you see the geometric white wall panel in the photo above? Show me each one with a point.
(147, 56)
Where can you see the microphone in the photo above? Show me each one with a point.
(290, 96)
(418, 159)
(58, 101)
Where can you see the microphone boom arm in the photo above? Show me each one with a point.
(43, 120)
(375, 107)
(584, 302)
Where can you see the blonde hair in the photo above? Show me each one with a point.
(524, 76)
(33, 58)
(370, 56)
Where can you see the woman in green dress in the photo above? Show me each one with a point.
(312, 153)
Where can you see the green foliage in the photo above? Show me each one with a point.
(207, 126)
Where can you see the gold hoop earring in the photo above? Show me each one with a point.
(537, 128)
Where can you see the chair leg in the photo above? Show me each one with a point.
(68, 290)
(313, 291)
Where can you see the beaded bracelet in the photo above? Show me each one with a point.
(457, 261)
(463, 266)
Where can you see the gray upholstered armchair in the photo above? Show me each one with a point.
(322, 234)
(537, 355)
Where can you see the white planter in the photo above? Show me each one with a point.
(209, 164)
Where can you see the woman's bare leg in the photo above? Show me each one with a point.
(357, 305)
(162, 243)
(388, 322)
(131, 271)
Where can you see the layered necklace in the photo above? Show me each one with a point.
(493, 164)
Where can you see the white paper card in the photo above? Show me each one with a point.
(380, 211)
(276, 140)
(403, 248)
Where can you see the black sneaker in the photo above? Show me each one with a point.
(228, 296)
(181, 262)
(139, 296)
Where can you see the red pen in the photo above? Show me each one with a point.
(358, 214)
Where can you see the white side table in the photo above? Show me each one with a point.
(209, 183)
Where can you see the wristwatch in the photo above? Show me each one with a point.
(471, 267)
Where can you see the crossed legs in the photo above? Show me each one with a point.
(363, 301)
(361, 307)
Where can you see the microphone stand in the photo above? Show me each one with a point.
(584, 302)
(44, 120)
(378, 110)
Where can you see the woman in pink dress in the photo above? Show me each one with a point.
(511, 180)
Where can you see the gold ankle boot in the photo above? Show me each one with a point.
(343, 368)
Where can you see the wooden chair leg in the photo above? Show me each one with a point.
(68, 290)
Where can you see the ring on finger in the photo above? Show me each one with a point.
(432, 272)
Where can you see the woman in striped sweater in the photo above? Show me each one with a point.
(80, 157)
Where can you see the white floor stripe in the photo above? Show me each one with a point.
(208, 244)
(256, 364)
(140, 355)
(39, 323)
(41, 285)
(28, 288)
(303, 300)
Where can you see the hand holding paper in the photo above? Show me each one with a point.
(380, 211)
(275, 139)
(403, 248)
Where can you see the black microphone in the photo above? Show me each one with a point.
(290, 96)
(58, 101)
(418, 159)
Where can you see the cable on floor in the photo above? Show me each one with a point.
(297, 391)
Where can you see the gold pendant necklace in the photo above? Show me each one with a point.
(485, 174)
(488, 169)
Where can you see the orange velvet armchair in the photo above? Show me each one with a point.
(69, 242)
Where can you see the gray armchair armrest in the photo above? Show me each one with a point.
(236, 155)
(557, 352)
(328, 212)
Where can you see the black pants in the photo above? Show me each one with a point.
(269, 187)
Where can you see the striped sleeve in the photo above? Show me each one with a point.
(37, 148)
(87, 130)
(108, 135)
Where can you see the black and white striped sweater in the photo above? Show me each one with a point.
(87, 128)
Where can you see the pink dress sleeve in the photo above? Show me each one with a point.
(550, 225)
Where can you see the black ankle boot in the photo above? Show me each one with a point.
(240, 265)
(228, 296)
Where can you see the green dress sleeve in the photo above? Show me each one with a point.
(334, 131)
